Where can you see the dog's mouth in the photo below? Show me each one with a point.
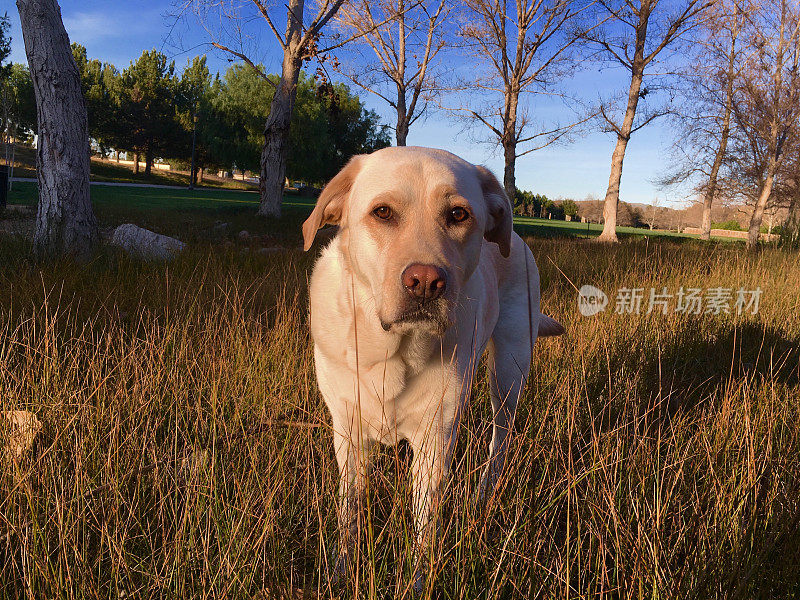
(431, 316)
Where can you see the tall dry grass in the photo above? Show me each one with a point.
(186, 453)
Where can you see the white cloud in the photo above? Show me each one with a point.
(85, 28)
(93, 29)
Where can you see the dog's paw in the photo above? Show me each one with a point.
(418, 584)
(341, 564)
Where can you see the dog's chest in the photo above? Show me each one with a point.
(387, 396)
(390, 394)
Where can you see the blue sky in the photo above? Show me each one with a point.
(117, 32)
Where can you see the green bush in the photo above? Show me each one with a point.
(570, 207)
(730, 225)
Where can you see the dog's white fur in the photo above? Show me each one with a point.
(386, 378)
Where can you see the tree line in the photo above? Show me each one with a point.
(734, 63)
(150, 111)
(725, 71)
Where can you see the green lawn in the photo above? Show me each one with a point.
(189, 215)
(551, 228)
(180, 211)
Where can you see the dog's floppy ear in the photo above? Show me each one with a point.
(330, 204)
(501, 220)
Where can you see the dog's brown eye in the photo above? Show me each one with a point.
(459, 215)
(383, 212)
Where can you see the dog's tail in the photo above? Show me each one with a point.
(548, 326)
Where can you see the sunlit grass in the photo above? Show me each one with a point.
(186, 451)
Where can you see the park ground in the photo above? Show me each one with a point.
(188, 214)
(185, 450)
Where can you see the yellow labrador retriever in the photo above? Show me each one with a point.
(424, 275)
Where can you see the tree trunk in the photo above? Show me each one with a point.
(401, 130)
(509, 142)
(148, 161)
(135, 163)
(705, 227)
(277, 127)
(13, 158)
(509, 170)
(399, 75)
(276, 138)
(611, 203)
(711, 190)
(758, 212)
(65, 222)
(790, 232)
(199, 175)
(117, 156)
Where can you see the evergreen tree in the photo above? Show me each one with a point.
(329, 125)
(146, 94)
(101, 107)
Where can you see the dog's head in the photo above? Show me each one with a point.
(412, 222)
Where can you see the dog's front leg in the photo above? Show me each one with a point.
(429, 470)
(508, 365)
(352, 451)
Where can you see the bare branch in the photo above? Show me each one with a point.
(263, 10)
(389, 29)
(246, 60)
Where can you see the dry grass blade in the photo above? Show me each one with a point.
(185, 451)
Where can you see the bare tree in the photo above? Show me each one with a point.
(405, 38)
(719, 67)
(651, 221)
(767, 105)
(790, 192)
(723, 57)
(65, 223)
(300, 43)
(524, 47)
(634, 34)
(706, 117)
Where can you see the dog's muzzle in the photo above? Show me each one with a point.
(431, 316)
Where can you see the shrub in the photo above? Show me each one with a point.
(730, 225)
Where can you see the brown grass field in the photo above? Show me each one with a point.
(185, 449)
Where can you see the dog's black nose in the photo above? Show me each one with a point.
(424, 282)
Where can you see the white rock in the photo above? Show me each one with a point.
(23, 426)
(146, 244)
